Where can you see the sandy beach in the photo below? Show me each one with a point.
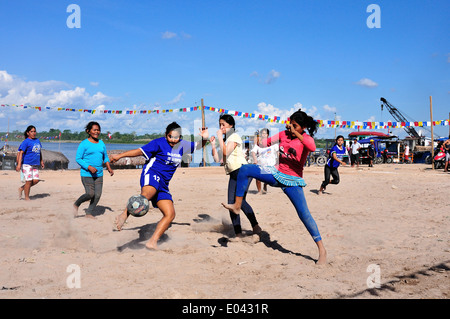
(390, 222)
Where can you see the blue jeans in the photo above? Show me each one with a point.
(294, 193)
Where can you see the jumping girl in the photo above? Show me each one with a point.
(233, 158)
(91, 154)
(294, 146)
(29, 158)
(163, 157)
(335, 159)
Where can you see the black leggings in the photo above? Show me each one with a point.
(93, 187)
(333, 171)
(246, 208)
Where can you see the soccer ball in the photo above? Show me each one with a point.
(138, 205)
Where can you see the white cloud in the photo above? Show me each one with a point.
(269, 109)
(15, 90)
(246, 126)
(5, 77)
(367, 83)
(272, 76)
(168, 35)
(18, 91)
(77, 97)
(328, 108)
(176, 99)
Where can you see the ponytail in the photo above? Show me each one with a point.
(29, 128)
(305, 121)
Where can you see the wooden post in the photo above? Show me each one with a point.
(432, 135)
(203, 126)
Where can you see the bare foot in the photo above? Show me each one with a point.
(119, 221)
(90, 216)
(232, 208)
(20, 192)
(322, 258)
(238, 238)
(151, 246)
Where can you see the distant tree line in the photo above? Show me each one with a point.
(68, 135)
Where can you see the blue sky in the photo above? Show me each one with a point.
(270, 57)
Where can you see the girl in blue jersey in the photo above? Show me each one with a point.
(29, 158)
(335, 159)
(91, 154)
(163, 157)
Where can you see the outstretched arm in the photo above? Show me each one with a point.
(130, 153)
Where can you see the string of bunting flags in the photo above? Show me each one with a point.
(263, 117)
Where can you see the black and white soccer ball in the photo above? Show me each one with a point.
(138, 205)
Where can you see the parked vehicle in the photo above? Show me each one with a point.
(440, 156)
(386, 147)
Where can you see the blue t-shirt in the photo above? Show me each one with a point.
(164, 159)
(340, 152)
(93, 154)
(31, 151)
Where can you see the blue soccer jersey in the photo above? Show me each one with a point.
(340, 152)
(164, 159)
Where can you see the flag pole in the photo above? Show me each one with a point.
(203, 126)
(432, 135)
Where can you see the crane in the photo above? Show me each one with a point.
(398, 116)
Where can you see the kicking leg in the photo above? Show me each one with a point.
(246, 172)
(148, 192)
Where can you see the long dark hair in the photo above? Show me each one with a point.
(338, 137)
(305, 121)
(29, 128)
(230, 120)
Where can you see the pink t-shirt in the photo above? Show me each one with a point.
(293, 153)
